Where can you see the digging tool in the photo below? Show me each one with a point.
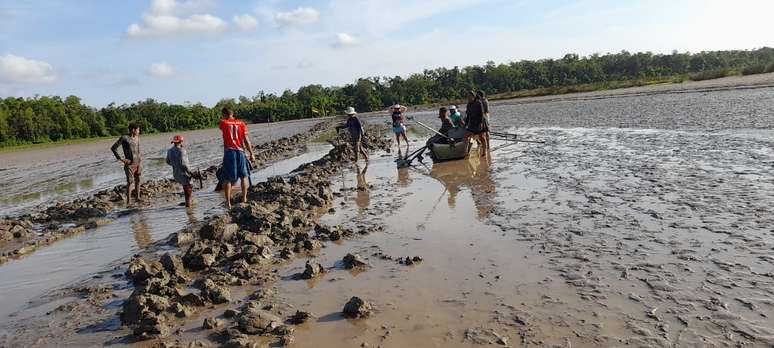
(512, 137)
(199, 176)
(406, 162)
(432, 130)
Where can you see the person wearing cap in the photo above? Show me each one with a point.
(399, 124)
(455, 116)
(356, 132)
(177, 157)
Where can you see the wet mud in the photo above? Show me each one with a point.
(656, 233)
(22, 235)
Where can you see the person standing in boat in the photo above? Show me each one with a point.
(474, 122)
(399, 125)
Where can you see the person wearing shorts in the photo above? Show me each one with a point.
(130, 144)
(399, 124)
(235, 141)
(177, 158)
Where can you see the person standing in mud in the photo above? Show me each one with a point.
(130, 144)
(356, 133)
(235, 141)
(480, 95)
(399, 125)
(474, 122)
(177, 157)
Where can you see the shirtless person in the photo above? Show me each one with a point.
(132, 160)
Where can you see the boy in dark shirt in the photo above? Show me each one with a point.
(132, 160)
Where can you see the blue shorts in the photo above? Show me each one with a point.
(399, 130)
(234, 166)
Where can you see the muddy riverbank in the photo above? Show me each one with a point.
(22, 235)
(655, 232)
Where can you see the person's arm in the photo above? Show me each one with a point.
(114, 149)
(184, 162)
(169, 160)
(249, 144)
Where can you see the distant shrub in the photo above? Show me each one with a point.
(710, 74)
(754, 69)
(770, 67)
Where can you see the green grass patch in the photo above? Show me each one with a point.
(754, 69)
(712, 74)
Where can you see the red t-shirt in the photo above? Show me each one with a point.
(234, 133)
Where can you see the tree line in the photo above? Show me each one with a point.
(51, 118)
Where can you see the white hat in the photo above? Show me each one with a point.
(350, 111)
(453, 107)
(397, 106)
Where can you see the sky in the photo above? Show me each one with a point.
(182, 51)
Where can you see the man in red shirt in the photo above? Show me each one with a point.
(235, 141)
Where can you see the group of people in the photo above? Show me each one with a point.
(236, 141)
(236, 165)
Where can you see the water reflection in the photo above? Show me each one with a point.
(363, 198)
(474, 173)
(141, 230)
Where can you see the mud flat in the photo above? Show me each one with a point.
(657, 233)
(23, 234)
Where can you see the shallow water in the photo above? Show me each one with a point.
(70, 260)
(643, 221)
(600, 237)
(60, 173)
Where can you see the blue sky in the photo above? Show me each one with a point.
(204, 50)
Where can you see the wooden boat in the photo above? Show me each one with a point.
(451, 147)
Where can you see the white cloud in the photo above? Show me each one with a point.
(245, 22)
(298, 17)
(22, 70)
(161, 70)
(166, 25)
(174, 7)
(345, 40)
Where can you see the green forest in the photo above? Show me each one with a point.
(51, 118)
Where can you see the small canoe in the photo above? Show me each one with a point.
(451, 151)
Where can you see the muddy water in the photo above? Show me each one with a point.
(602, 237)
(73, 259)
(61, 173)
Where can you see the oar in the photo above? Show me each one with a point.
(432, 130)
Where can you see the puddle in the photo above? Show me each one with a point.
(69, 260)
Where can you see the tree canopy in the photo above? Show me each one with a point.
(52, 118)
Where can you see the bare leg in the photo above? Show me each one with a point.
(364, 153)
(187, 192)
(406, 140)
(397, 139)
(244, 190)
(137, 187)
(227, 193)
(128, 193)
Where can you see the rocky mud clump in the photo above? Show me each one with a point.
(236, 249)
